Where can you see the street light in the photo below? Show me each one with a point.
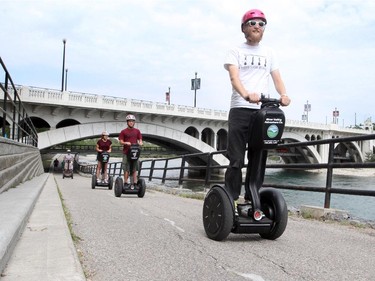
(195, 85)
(66, 79)
(63, 67)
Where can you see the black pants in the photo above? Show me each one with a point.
(240, 123)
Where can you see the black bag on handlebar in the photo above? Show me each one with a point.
(268, 127)
(134, 152)
(104, 157)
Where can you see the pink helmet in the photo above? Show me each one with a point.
(253, 14)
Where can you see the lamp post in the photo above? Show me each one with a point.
(66, 79)
(195, 85)
(63, 67)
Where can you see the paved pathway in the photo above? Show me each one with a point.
(161, 237)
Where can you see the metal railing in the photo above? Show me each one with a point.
(208, 170)
(15, 122)
(117, 149)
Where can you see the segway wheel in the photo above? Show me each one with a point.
(72, 175)
(274, 207)
(93, 181)
(217, 214)
(142, 188)
(110, 182)
(119, 184)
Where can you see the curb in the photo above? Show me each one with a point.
(16, 206)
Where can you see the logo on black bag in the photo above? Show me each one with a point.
(272, 131)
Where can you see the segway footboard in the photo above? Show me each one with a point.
(275, 218)
(249, 225)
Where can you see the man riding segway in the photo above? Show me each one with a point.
(131, 139)
(251, 66)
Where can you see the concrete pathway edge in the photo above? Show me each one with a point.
(16, 206)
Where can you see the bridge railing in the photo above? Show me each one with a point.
(158, 169)
(78, 99)
(15, 122)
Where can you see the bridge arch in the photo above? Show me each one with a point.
(192, 131)
(67, 123)
(348, 152)
(208, 136)
(40, 123)
(299, 154)
(222, 139)
(148, 130)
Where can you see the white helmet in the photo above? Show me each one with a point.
(130, 117)
(68, 150)
(105, 133)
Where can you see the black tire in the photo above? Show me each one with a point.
(110, 182)
(217, 214)
(142, 188)
(274, 207)
(93, 181)
(119, 184)
(72, 175)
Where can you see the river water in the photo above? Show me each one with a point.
(359, 207)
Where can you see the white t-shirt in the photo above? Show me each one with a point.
(255, 64)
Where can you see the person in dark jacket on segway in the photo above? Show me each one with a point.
(128, 137)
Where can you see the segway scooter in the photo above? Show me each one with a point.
(94, 181)
(266, 213)
(138, 188)
(68, 172)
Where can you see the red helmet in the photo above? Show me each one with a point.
(253, 14)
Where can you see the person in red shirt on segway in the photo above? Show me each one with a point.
(131, 139)
(103, 147)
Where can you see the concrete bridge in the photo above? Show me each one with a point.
(67, 116)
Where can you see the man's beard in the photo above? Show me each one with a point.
(253, 37)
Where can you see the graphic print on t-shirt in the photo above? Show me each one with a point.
(253, 61)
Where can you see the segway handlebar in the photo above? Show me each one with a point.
(269, 101)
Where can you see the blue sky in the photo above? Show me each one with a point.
(140, 48)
